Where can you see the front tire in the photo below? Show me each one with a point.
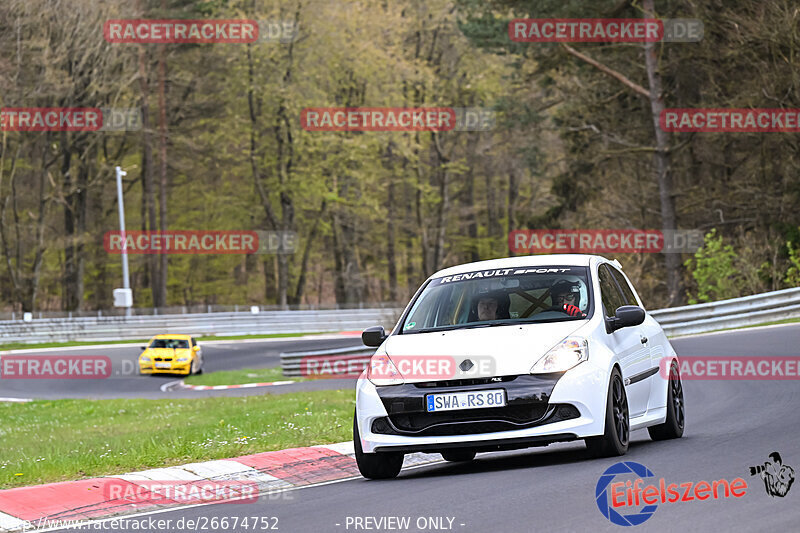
(616, 436)
(672, 428)
(458, 456)
(376, 465)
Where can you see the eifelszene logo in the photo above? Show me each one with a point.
(606, 504)
(615, 497)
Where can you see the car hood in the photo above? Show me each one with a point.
(510, 350)
(166, 352)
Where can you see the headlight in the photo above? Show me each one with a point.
(182, 359)
(144, 359)
(381, 371)
(565, 355)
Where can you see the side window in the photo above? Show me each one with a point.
(194, 342)
(609, 293)
(627, 292)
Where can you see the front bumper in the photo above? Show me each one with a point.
(175, 368)
(540, 409)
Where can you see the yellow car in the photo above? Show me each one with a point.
(171, 354)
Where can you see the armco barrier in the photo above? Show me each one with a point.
(213, 324)
(734, 313)
(676, 321)
(292, 362)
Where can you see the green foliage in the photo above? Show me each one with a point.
(572, 147)
(793, 273)
(713, 268)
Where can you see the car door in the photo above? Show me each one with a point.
(653, 336)
(627, 343)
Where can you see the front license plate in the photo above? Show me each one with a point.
(163, 365)
(450, 401)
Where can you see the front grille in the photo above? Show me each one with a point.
(162, 359)
(489, 420)
(464, 382)
(515, 414)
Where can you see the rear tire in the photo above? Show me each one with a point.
(376, 465)
(458, 456)
(672, 428)
(616, 436)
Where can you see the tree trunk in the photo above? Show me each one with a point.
(410, 248)
(312, 236)
(81, 211)
(161, 285)
(147, 175)
(391, 220)
(492, 211)
(338, 263)
(661, 163)
(70, 270)
(513, 192)
(470, 215)
(423, 229)
(32, 287)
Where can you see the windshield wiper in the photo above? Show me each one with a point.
(464, 326)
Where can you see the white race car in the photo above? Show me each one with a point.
(513, 353)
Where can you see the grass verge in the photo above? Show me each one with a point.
(48, 441)
(240, 377)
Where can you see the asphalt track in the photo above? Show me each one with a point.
(731, 425)
(125, 382)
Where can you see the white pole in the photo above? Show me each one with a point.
(126, 283)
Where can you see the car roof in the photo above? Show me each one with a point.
(176, 336)
(523, 261)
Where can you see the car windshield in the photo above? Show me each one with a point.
(169, 343)
(500, 297)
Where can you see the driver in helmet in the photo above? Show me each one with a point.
(566, 297)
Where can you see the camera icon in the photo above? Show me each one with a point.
(777, 476)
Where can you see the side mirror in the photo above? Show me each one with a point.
(625, 316)
(373, 336)
(143, 348)
(195, 347)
